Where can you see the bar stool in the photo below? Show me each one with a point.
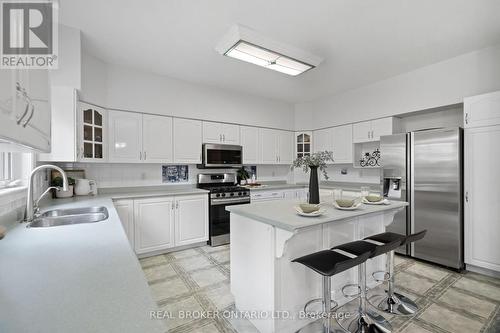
(328, 263)
(393, 302)
(366, 320)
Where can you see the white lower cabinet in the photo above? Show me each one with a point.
(153, 224)
(191, 219)
(160, 223)
(125, 210)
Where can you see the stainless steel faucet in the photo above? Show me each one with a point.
(29, 204)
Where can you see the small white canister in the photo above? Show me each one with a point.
(85, 187)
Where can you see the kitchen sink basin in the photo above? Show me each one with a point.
(58, 217)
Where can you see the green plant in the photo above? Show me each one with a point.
(318, 160)
(243, 174)
(58, 181)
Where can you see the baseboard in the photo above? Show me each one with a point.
(483, 271)
(172, 249)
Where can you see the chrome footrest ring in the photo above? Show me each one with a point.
(351, 285)
(333, 304)
(385, 276)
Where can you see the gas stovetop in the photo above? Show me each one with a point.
(222, 186)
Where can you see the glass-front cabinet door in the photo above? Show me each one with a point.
(303, 144)
(91, 129)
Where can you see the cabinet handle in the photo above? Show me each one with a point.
(140, 155)
(224, 137)
(467, 118)
(372, 134)
(220, 137)
(467, 196)
(173, 205)
(144, 155)
(177, 205)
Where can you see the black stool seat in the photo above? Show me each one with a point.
(362, 246)
(328, 263)
(388, 237)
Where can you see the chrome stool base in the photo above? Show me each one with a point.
(368, 322)
(397, 304)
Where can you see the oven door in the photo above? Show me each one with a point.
(219, 222)
(217, 156)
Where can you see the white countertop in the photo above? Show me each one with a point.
(76, 278)
(281, 213)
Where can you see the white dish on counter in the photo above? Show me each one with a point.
(313, 214)
(381, 202)
(356, 206)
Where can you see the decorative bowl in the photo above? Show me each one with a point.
(309, 208)
(373, 198)
(345, 203)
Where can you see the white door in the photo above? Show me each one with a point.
(91, 131)
(322, 140)
(125, 210)
(153, 224)
(268, 146)
(361, 132)
(38, 89)
(125, 136)
(191, 219)
(483, 110)
(212, 132)
(342, 144)
(286, 147)
(381, 127)
(250, 143)
(187, 141)
(231, 134)
(157, 139)
(482, 197)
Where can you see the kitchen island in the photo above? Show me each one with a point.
(266, 236)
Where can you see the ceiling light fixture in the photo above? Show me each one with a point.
(244, 44)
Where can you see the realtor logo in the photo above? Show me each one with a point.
(29, 34)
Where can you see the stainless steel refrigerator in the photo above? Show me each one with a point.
(425, 168)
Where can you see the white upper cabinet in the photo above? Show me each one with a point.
(187, 141)
(482, 110)
(286, 149)
(125, 136)
(372, 130)
(91, 131)
(191, 219)
(323, 140)
(25, 116)
(277, 147)
(220, 133)
(250, 143)
(268, 148)
(157, 139)
(342, 144)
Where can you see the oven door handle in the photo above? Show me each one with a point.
(218, 202)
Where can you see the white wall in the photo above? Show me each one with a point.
(444, 83)
(117, 87)
(69, 71)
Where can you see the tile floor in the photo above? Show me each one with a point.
(196, 281)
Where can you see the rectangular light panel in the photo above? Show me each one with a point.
(265, 58)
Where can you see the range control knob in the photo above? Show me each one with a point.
(223, 194)
(217, 195)
(239, 193)
(232, 194)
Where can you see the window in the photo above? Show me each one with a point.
(5, 168)
(303, 145)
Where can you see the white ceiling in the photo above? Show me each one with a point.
(362, 41)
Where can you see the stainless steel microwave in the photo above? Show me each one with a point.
(222, 156)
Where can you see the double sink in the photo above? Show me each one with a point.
(59, 217)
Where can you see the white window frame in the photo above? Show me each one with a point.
(5, 168)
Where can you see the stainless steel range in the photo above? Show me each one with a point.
(223, 192)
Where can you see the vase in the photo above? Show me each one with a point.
(313, 185)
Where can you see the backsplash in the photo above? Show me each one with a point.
(123, 175)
